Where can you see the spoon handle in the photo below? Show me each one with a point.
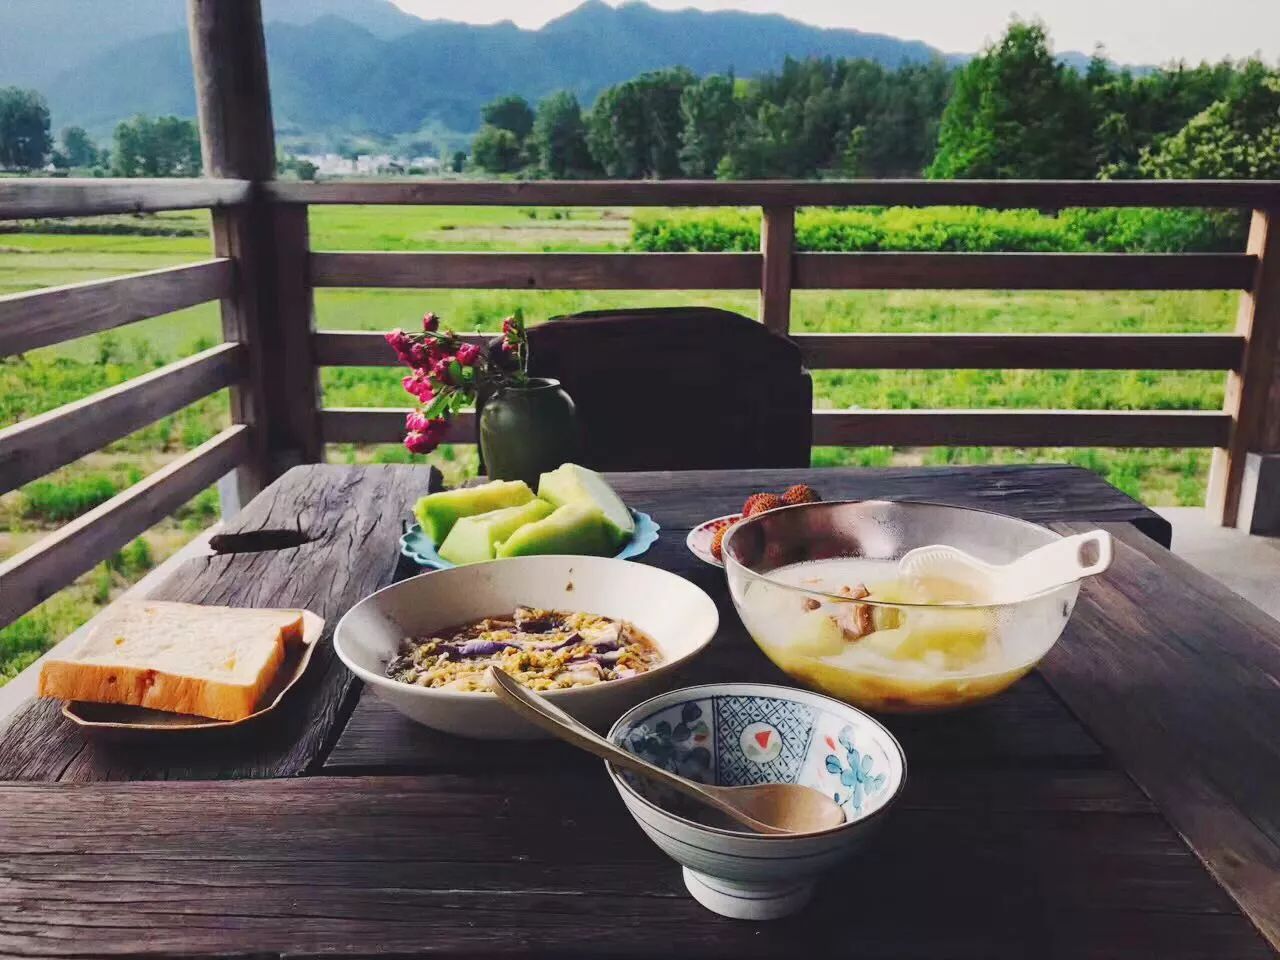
(543, 713)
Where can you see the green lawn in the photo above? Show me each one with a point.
(47, 378)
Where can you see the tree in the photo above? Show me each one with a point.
(159, 147)
(634, 128)
(710, 112)
(512, 113)
(459, 161)
(1016, 112)
(1237, 137)
(560, 136)
(497, 150)
(79, 150)
(24, 129)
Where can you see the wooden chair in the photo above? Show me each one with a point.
(680, 388)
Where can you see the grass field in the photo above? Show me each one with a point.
(47, 378)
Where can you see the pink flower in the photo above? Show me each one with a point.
(420, 355)
(419, 386)
(416, 422)
(418, 443)
(509, 327)
(440, 369)
(468, 354)
(427, 439)
(401, 344)
(430, 322)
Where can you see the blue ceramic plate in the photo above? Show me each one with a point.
(417, 546)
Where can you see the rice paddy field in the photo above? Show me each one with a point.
(53, 253)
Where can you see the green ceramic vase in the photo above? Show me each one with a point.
(527, 431)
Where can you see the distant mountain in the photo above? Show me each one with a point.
(366, 67)
(40, 39)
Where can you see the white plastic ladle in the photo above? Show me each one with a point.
(1044, 568)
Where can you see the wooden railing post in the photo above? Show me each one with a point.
(777, 240)
(1244, 483)
(271, 310)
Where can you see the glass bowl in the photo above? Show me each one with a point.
(797, 576)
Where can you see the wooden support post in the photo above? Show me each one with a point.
(1253, 397)
(777, 237)
(270, 311)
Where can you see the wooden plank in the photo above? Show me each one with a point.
(1020, 351)
(1021, 428)
(1038, 194)
(349, 519)
(1177, 677)
(22, 198)
(777, 238)
(1253, 392)
(359, 348)
(39, 318)
(1024, 271)
(539, 271)
(48, 565)
(451, 866)
(36, 446)
(1041, 493)
(384, 425)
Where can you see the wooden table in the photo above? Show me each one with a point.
(1124, 800)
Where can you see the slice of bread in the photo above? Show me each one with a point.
(183, 658)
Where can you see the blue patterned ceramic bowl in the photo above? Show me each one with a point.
(417, 546)
(734, 734)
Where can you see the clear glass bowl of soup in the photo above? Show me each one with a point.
(819, 590)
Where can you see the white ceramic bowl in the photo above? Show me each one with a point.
(733, 734)
(679, 617)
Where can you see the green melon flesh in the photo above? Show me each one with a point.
(474, 538)
(438, 512)
(570, 483)
(575, 528)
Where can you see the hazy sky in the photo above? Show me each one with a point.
(1134, 31)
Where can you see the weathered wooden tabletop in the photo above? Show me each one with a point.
(1124, 800)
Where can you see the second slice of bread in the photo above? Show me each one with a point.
(209, 661)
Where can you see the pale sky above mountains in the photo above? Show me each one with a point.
(1133, 31)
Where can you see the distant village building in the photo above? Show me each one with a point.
(368, 165)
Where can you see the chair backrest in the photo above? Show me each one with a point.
(681, 388)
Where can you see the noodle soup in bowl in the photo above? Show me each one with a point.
(818, 588)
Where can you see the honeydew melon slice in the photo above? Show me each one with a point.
(574, 528)
(438, 512)
(570, 483)
(474, 539)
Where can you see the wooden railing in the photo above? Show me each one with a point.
(264, 274)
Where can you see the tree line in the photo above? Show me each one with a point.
(141, 146)
(1014, 111)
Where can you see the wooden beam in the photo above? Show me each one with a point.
(1024, 271)
(233, 93)
(777, 238)
(1253, 393)
(39, 318)
(539, 271)
(23, 198)
(384, 425)
(272, 311)
(359, 348)
(1020, 428)
(1020, 351)
(1037, 194)
(33, 447)
(48, 565)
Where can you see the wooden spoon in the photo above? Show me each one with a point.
(771, 808)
